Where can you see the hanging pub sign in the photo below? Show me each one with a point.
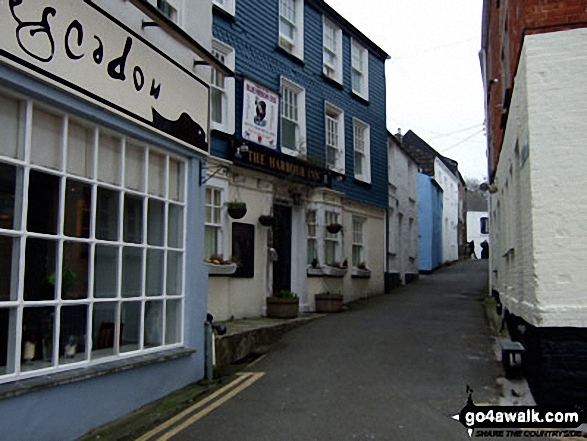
(260, 107)
(79, 47)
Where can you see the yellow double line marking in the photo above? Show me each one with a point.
(244, 380)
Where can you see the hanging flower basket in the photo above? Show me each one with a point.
(333, 228)
(266, 220)
(236, 210)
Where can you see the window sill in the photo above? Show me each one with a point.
(360, 98)
(358, 273)
(332, 81)
(292, 57)
(223, 13)
(221, 270)
(363, 183)
(21, 387)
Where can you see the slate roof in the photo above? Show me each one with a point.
(425, 155)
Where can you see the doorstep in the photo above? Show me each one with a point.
(245, 337)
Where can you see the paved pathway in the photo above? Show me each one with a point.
(394, 367)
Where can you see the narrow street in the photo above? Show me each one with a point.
(394, 367)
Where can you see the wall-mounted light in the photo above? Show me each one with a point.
(243, 148)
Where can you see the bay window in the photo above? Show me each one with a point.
(92, 243)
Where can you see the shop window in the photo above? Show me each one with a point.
(293, 118)
(312, 235)
(332, 242)
(358, 241)
(332, 50)
(291, 27)
(101, 251)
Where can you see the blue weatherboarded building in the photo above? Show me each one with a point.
(298, 134)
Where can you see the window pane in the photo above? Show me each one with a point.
(43, 200)
(174, 272)
(211, 242)
(77, 209)
(153, 324)
(173, 322)
(133, 219)
(46, 139)
(80, 150)
(134, 169)
(175, 227)
(11, 127)
(155, 223)
(156, 174)
(37, 338)
(10, 181)
(288, 134)
(105, 272)
(132, 272)
(130, 326)
(72, 337)
(107, 214)
(40, 267)
(176, 180)
(74, 276)
(330, 252)
(216, 104)
(154, 282)
(109, 159)
(103, 329)
(7, 325)
(8, 268)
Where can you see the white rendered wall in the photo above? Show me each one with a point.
(450, 216)
(403, 213)
(540, 207)
(474, 229)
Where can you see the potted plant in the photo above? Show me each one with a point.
(218, 266)
(314, 268)
(361, 271)
(328, 302)
(283, 304)
(266, 220)
(236, 210)
(333, 228)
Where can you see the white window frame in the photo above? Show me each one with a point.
(226, 5)
(300, 93)
(295, 45)
(225, 54)
(332, 70)
(362, 147)
(220, 185)
(358, 242)
(360, 66)
(322, 235)
(167, 187)
(334, 138)
(314, 238)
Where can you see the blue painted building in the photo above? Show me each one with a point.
(102, 138)
(298, 134)
(430, 209)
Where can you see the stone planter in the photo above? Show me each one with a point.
(328, 302)
(221, 270)
(333, 271)
(361, 273)
(283, 308)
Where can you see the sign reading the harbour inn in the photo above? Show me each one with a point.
(82, 49)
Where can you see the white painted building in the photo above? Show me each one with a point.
(402, 215)
(450, 217)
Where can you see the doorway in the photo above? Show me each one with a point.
(282, 244)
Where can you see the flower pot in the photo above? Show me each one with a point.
(283, 308)
(328, 302)
(333, 271)
(333, 228)
(237, 210)
(361, 273)
(225, 269)
(266, 221)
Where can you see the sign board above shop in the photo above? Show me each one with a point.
(260, 114)
(79, 47)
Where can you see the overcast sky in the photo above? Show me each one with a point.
(434, 85)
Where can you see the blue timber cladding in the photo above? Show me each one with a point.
(254, 36)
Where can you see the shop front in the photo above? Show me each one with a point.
(101, 140)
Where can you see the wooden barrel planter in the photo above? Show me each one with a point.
(328, 302)
(283, 308)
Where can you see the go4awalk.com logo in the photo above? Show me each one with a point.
(518, 421)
